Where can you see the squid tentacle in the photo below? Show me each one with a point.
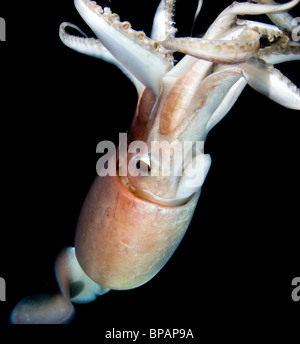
(93, 47)
(85, 45)
(143, 57)
(163, 25)
(272, 32)
(277, 53)
(281, 51)
(269, 81)
(266, 79)
(228, 16)
(242, 8)
(283, 20)
(218, 51)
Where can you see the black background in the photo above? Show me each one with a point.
(231, 276)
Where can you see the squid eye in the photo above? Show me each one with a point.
(144, 163)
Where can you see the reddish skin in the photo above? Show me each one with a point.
(122, 241)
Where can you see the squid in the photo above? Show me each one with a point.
(133, 220)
